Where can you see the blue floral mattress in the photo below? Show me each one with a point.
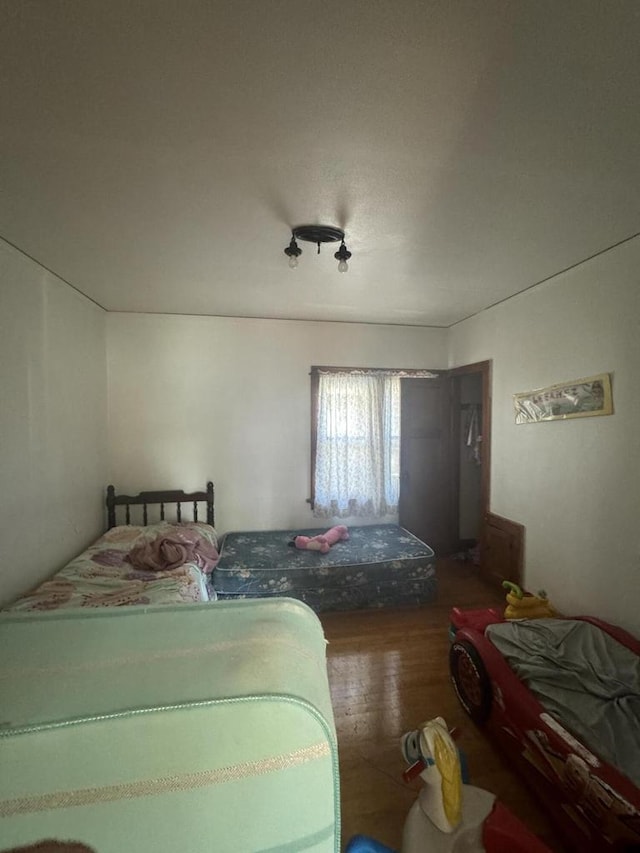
(380, 565)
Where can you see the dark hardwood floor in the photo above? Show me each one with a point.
(388, 672)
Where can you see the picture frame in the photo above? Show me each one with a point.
(581, 398)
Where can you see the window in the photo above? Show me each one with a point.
(355, 442)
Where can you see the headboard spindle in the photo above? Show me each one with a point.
(210, 518)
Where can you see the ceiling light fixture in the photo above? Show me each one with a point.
(318, 234)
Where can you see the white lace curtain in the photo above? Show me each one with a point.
(358, 445)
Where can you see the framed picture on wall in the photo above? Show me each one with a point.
(581, 398)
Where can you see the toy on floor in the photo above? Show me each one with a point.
(521, 605)
(433, 756)
(449, 816)
(323, 541)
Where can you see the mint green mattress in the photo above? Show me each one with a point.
(200, 728)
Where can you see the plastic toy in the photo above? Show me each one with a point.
(323, 541)
(449, 817)
(521, 605)
(433, 755)
(365, 844)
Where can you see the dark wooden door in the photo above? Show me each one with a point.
(426, 506)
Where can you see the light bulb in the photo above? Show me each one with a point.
(293, 261)
(343, 266)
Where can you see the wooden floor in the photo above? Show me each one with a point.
(388, 672)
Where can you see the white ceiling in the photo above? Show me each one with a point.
(156, 154)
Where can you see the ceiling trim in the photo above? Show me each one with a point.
(548, 278)
(307, 320)
(52, 272)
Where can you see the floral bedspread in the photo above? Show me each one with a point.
(101, 576)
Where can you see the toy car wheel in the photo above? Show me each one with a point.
(470, 680)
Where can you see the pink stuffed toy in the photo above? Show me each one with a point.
(323, 541)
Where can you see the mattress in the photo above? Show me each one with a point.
(379, 565)
(168, 728)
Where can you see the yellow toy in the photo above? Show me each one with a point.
(433, 755)
(522, 605)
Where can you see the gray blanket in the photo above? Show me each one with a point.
(584, 678)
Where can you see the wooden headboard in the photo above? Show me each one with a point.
(175, 496)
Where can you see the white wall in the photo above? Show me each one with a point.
(574, 484)
(197, 398)
(52, 422)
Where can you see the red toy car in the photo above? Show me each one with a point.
(595, 806)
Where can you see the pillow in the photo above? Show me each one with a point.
(188, 531)
(122, 534)
(192, 530)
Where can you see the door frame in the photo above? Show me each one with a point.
(484, 368)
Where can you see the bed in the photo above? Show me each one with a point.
(119, 569)
(561, 697)
(379, 565)
(168, 728)
(159, 727)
